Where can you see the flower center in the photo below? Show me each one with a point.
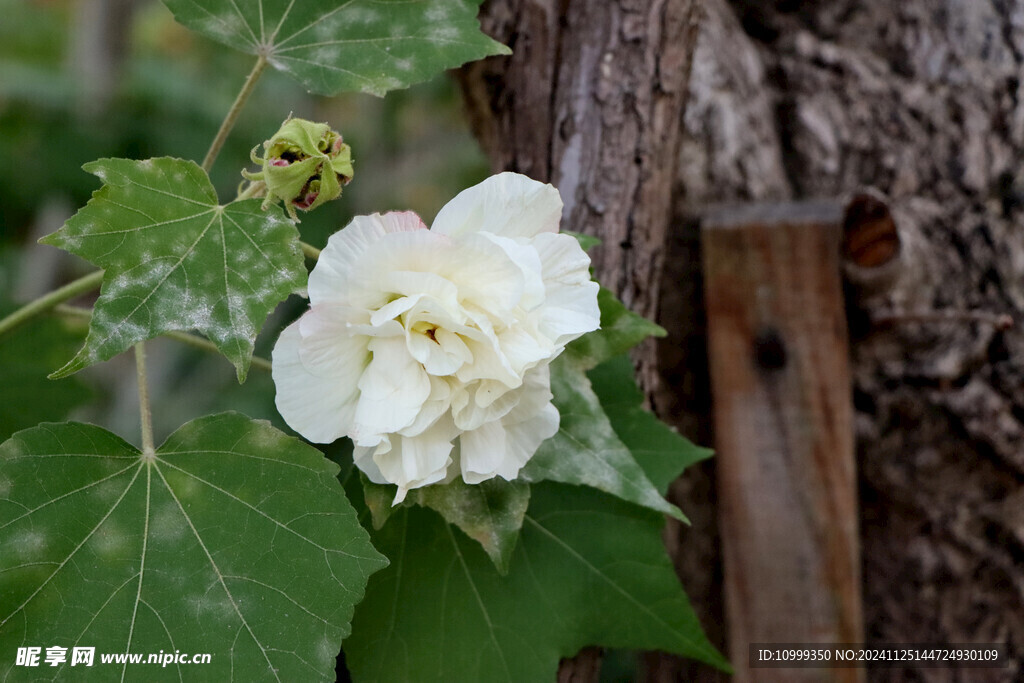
(426, 329)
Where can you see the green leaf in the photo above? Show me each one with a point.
(655, 446)
(586, 450)
(621, 330)
(378, 498)
(26, 356)
(491, 513)
(234, 540)
(588, 570)
(176, 260)
(346, 45)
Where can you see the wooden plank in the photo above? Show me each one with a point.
(781, 387)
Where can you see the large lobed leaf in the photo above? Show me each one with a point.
(589, 569)
(176, 260)
(234, 540)
(357, 45)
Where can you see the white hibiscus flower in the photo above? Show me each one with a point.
(430, 348)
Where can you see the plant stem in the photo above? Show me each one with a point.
(146, 417)
(311, 252)
(257, 188)
(193, 340)
(236, 109)
(48, 301)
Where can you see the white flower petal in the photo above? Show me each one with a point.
(392, 391)
(507, 204)
(434, 408)
(329, 345)
(482, 452)
(330, 280)
(362, 456)
(570, 309)
(522, 439)
(526, 258)
(319, 400)
(482, 402)
(419, 461)
(501, 448)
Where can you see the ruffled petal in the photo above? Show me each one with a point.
(570, 307)
(317, 400)
(522, 439)
(362, 456)
(392, 391)
(417, 461)
(330, 280)
(482, 402)
(501, 447)
(507, 204)
(482, 452)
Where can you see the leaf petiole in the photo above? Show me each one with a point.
(47, 302)
(233, 113)
(145, 416)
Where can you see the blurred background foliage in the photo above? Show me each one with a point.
(85, 79)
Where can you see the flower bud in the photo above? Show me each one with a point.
(304, 164)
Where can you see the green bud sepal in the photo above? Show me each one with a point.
(304, 165)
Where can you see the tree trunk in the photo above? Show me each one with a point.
(923, 101)
(791, 100)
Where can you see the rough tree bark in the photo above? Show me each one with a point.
(798, 99)
(922, 100)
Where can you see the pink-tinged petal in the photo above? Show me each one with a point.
(393, 389)
(403, 221)
(346, 250)
(318, 401)
(507, 204)
(306, 201)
